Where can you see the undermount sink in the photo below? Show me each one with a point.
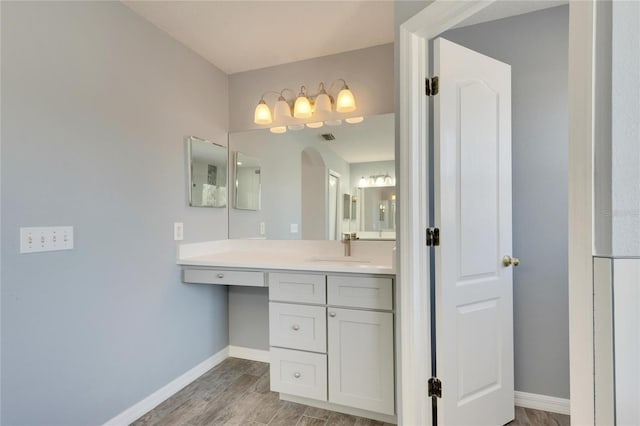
(340, 259)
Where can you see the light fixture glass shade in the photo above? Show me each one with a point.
(279, 129)
(323, 103)
(281, 110)
(295, 126)
(362, 182)
(315, 125)
(379, 180)
(262, 114)
(333, 122)
(354, 120)
(345, 101)
(302, 108)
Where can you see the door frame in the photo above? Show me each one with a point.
(414, 356)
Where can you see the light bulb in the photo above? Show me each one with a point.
(354, 120)
(315, 125)
(278, 130)
(345, 101)
(302, 107)
(262, 114)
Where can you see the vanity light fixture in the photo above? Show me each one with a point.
(306, 106)
(376, 180)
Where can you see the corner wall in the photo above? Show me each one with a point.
(96, 103)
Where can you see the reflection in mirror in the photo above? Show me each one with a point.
(297, 171)
(247, 178)
(207, 173)
(377, 215)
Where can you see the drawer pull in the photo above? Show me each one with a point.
(296, 375)
(295, 327)
(220, 275)
(332, 314)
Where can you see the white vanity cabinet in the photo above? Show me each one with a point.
(332, 340)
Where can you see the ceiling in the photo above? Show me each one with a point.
(240, 35)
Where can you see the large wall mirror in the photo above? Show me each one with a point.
(317, 183)
(207, 170)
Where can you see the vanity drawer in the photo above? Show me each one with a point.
(224, 277)
(360, 292)
(298, 288)
(299, 373)
(298, 326)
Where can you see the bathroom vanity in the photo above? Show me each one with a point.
(331, 317)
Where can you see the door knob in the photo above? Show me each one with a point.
(332, 314)
(295, 327)
(220, 275)
(297, 375)
(509, 261)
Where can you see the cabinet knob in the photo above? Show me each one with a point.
(332, 314)
(296, 375)
(295, 327)
(220, 275)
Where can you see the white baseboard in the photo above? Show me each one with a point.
(248, 353)
(542, 402)
(138, 410)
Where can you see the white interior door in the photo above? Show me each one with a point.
(472, 184)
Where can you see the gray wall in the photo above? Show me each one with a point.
(369, 73)
(96, 103)
(625, 136)
(536, 46)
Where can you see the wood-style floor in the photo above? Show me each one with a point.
(236, 392)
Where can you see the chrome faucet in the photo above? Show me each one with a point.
(347, 237)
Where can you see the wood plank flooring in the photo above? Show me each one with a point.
(236, 392)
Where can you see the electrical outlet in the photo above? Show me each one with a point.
(294, 228)
(46, 238)
(263, 228)
(178, 231)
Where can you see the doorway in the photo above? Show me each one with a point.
(414, 42)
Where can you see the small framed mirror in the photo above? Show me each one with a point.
(247, 182)
(207, 173)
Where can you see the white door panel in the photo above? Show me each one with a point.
(472, 182)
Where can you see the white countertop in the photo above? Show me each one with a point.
(367, 257)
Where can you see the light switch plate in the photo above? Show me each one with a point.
(263, 229)
(46, 238)
(178, 231)
(294, 228)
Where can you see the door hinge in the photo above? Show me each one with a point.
(435, 387)
(431, 86)
(433, 237)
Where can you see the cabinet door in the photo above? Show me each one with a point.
(360, 353)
